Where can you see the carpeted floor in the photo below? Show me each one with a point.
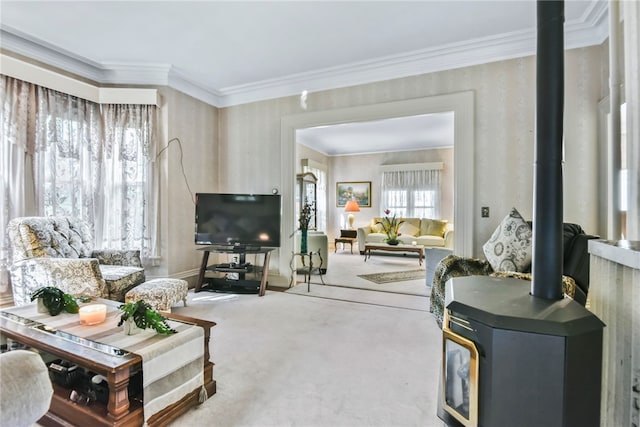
(345, 268)
(362, 296)
(289, 359)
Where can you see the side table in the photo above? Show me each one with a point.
(306, 269)
(346, 236)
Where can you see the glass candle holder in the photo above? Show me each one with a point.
(92, 314)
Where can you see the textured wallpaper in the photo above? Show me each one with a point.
(249, 138)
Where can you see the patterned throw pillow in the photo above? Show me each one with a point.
(509, 248)
(376, 227)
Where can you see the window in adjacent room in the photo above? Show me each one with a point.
(412, 191)
(320, 171)
(623, 170)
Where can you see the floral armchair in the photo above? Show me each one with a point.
(57, 251)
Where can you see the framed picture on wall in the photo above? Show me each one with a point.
(359, 191)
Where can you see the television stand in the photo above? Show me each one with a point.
(242, 269)
(239, 286)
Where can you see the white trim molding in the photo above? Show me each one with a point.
(461, 104)
(40, 76)
(590, 29)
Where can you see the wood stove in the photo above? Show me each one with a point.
(511, 359)
(516, 353)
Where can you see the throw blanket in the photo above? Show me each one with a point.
(456, 266)
(172, 366)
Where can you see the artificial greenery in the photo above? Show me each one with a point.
(144, 316)
(391, 227)
(55, 300)
(305, 215)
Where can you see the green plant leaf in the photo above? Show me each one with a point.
(70, 304)
(144, 316)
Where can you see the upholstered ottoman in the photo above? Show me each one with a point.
(161, 294)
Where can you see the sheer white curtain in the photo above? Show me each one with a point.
(62, 155)
(68, 145)
(16, 149)
(125, 169)
(411, 193)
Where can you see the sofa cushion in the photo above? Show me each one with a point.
(58, 237)
(426, 240)
(120, 279)
(75, 276)
(32, 237)
(509, 248)
(376, 237)
(408, 228)
(433, 227)
(376, 226)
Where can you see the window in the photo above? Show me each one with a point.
(424, 204)
(412, 193)
(614, 182)
(320, 171)
(90, 161)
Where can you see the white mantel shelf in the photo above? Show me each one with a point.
(623, 252)
(614, 296)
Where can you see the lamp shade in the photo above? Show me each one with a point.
(352, 206)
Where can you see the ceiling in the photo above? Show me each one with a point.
(397, 134)
(232, 52)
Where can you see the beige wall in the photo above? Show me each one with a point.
(367, 168)
(195, 124)
(504, 133)
(304, 152)
(238, 149)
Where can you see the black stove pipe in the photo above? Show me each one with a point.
(547, 215)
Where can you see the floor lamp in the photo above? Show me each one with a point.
(351, 206)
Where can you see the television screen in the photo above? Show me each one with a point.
(245, 220)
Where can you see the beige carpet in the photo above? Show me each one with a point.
(344, 269)
(362, 296)
(290, 359)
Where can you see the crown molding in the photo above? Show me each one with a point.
(590, 29)
(38, 50)
(183, 83)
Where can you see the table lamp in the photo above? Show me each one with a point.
(351, 206)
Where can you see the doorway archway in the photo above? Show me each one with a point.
(461, 104)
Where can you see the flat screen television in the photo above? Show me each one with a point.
(238, 220)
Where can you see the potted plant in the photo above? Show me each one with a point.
(391, 227)
(54, 300)
(305, 219)
(141, 315)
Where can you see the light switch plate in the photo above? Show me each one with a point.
(484, 212)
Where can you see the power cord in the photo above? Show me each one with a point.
(193, 200)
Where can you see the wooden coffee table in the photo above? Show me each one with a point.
(418, 249)
(120, 409)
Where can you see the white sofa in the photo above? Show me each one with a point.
(424, 231)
